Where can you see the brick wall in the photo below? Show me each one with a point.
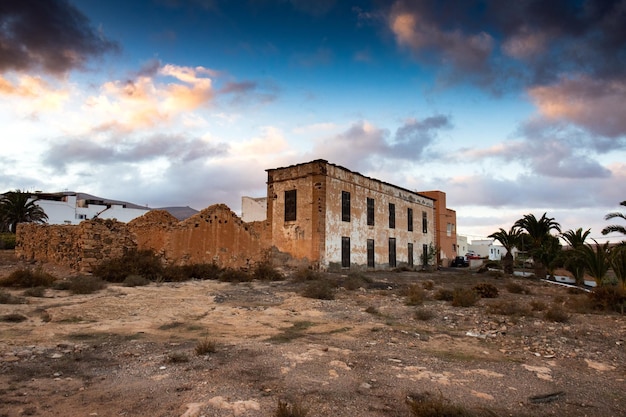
(216, 234)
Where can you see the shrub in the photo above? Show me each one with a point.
(515, 288)
(322, 289)
(13, 318)
(290, 410)
(424, 314)
(266, 272)
(428, 285)
(444, 294)
(429, 405)
(144, 263)
(85, 284)
(234, 275)
(205, 347)
(202, 271)
(305, 274)
(355, 280)
(7, 241)
(557, 314)
(486, 290)
(371, 310)
(177, 357)
(6, 298)
(537, 305)
(464, 297)
(62, 285)
(507, 308)
(135, 281)
(28, 278)
(415, 295)
(608, 297)
(35, 292)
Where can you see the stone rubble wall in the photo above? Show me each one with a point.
(215, 235)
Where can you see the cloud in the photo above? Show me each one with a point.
(37, 92)
(51, 35)
(596, 105)
(113, 150)
(495, 44)
(364, 145)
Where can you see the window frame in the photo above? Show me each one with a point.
(291, 205)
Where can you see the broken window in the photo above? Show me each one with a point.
(392, 216)
(370, 253)
(290, 205)
(370, 212)
(345, 206)
(409, 217)
(392, 252)
(345, 252)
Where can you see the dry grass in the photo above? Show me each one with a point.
(285, 409)
(415, 295)
(464, 297)
(28, 278)
(205, 347)
(429, 405)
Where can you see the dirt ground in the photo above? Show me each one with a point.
(130, 351)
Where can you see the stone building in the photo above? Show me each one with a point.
(337, 218)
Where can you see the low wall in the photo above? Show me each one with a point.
(216, 234)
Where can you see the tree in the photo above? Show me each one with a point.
(18, 207)
(597, 260)
(574, 259)
(618, 262)
(509, 240)
(615, 227)
(542, 245)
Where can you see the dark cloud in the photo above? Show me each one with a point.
(414, 137)
(51, 35)
(178, 150)
(494, 43)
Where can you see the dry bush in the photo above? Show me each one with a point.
(13, 318)
(424, 314)
(321, 289)
(235, 275)
(266, 272)
(507, 308)
(486, 290)
(143, 262)
(205, 347)
(557, 314)
(608, 298)
(305, 274)
(290, 410)
(35, 292)
(28, 278)
(203, 271)
(85, 284)
(177, 357)
(444, 294)
(415, 295)
(429, 405)
(537, 305)
(372, 310)
(428, 285)
(515, 288)
(356, 280)
(464, 297)
(135, 281)
(6, 298)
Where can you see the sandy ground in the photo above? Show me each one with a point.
(131, 351)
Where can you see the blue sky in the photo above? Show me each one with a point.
(509, 107)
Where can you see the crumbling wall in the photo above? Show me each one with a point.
(80, 247)
(216, 234)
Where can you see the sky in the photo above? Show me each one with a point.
(510, 108)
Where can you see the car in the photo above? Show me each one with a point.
(459, 261)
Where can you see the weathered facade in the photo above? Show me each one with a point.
(445, 226)
(337, 218)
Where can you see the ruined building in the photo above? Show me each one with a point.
(316, 213)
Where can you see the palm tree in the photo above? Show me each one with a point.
(509, 240)
(615, 227)
(574, 259)
(542, 245)
(618, 262)
(18, 207)
(597, 260)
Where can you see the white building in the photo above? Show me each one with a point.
(72, 208)
(486, 248)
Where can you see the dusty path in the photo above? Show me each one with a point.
(130, 351)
